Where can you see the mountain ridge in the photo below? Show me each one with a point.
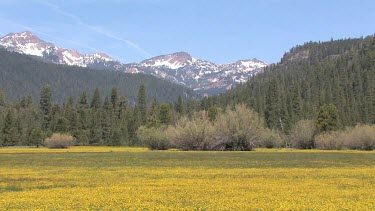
(180, 67)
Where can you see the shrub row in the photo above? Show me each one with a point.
(304, 136)
(243, 129)
(234, 129)
(361, 137)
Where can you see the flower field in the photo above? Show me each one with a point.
(104, 178)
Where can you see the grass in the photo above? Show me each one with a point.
(119, 178)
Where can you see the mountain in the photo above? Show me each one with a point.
(199, 75)
(22, 74)
(340, 72)
(27, 43)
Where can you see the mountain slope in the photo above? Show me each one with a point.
(202, 76)
(21, 74)
(338, 72)
(28, 43)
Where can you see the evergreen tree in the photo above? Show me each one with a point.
(10, 133)
(179, 106)
(212, 113)
(273, 107)
(26, 101)
(83, 101)
(142, 106)
(327, 118)
(96, 102)
(106, 104)
(36, 137)
(2, 99)
(165, 115)
(153, 115)
(45, 106)
(117, 137)
(114, 98)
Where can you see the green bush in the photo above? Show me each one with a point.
(153, 138)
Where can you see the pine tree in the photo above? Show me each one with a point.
(10, 133)
(2, 99)
(106, 104)
(153, 115)
(26, 101)
(106, 129)
(117, 137)
(62, 125)
(212, 113)
(36, 137)
(96, 131)
(165, 115)
(296, 107)
(45, 107)
(83, 101)
(272, 112)
(179, 106)
(114, 98)
(122, 106)
(327, 119)
(96, 101)
(142, 106)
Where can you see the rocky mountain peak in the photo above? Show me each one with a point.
(28, 43)
(203, 76)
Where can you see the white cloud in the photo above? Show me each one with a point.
(94, 28)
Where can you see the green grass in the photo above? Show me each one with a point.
(255, 159)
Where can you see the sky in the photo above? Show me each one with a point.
(214, 30)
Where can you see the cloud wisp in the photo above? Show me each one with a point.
(28, 28)
(94, 28)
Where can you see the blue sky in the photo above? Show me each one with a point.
(214, 30)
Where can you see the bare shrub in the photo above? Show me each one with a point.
(153, 138)
(361, 137)
(329, 141)
(191, 134)
(238, 129)
(270, 139)
(59, 141)
(302, 134)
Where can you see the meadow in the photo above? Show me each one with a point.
(119, 178)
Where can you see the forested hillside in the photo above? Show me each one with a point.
(21, 75)
(316, 88)
(339, 72)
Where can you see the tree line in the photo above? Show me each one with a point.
(21, 74)
(341, 73)
(99, 120)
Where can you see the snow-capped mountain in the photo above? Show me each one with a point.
(203, 76)
(27, 43)
(200, 75)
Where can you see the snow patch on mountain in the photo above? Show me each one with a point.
(28, 43)
(204, 76)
